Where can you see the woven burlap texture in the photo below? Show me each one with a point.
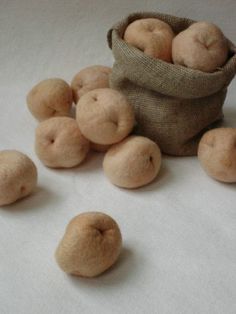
(174, 105)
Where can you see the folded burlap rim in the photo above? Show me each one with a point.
(160, 76)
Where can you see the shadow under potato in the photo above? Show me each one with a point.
(121, 271)
(229, 117)
(40, 198)
(160, 180)
(91, 163)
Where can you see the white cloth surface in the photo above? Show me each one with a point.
(179, 233)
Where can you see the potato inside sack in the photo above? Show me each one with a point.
(152, 36)
(202, 46)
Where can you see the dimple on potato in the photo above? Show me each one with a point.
(59, 143)
(202, 47)
(90, 78)
(91, 244)
(217, 154)
(132, 163)
(105, 116)
(152, 36)
(50, 98)
(18, 176)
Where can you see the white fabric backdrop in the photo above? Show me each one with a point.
(179, 232)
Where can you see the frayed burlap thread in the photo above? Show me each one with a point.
(174, 105)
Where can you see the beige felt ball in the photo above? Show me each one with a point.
(217, 154)
(50, 98)
(152, 36)
(18, 176)
(93, 77)
(133, 162)
(59, 143)
(202, 47)
(91, 244)
(105, 116)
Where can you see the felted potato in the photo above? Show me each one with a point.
(18, 176)
(152, 36)
(202, 47)
(133, 162)
(91, 244)
(104, 116)
(93, 77)
(50, 98)
(217, 154)
(59, 143)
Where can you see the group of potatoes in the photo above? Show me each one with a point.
(104, 120)
(202, 46)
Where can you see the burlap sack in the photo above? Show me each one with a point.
(174, 105)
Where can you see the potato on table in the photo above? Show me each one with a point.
(50, 98)
(91, 244)
(132, 163)
(90, 78)
(18, 176)
(105, 116)
(59, 143)
(217, 154)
